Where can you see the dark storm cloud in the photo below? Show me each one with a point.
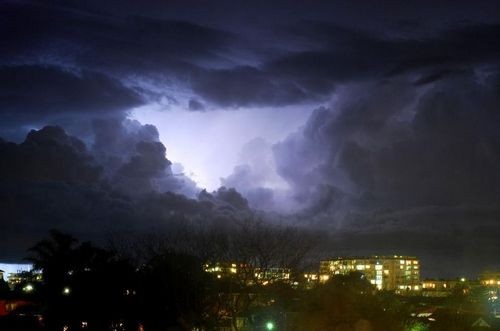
(246, 86)
(397, 144)
(135, 160)
(303, 63)
(48, 155)
(432, 77)
(395, 161)
(344, 55)
(335, 55)
(33, 95)
(124, 182)
(49, 89)
(52, 180)
(409, 145)
(232, 197)
(148, 162)
(195, 105)
(84, 35)
(74, 64)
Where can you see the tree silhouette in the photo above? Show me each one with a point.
(53, 256)
(82, 282)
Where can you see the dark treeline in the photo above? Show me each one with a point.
(160, 282)
(157, 282)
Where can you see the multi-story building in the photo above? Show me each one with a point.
(392, 273)
(17, 278)
(246, 273)
(223, 269)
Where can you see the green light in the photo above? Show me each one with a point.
(269, 326)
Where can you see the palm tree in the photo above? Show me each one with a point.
(54, 257)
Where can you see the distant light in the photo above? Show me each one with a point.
(462, 279)
(269, 326)
(66, 291)
(28, 288)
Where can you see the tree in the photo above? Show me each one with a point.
(345, 302)
(82, 282)
(53, 256)
(253, 246)
(174, 292)
(4, 287)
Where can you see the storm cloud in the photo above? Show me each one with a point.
(53, 180)
(396, 162)
(152, 56)
(402, 140)
(392, 144)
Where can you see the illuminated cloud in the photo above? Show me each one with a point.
(360, 120)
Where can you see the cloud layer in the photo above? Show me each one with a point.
(53, 180)
(405, 142)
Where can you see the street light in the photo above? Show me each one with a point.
(269, 326)
(28, 288)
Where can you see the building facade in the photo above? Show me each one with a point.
(490, 279)
(248, 274)
(392, 273)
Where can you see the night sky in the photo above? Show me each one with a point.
(376, 122)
